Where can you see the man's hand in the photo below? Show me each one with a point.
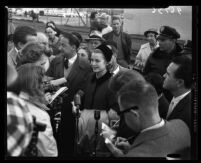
(74, 108)
(115, 151)
(123, 144)
(48, 97)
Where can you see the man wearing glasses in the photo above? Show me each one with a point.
(156, 137)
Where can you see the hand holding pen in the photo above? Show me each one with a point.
(123, 143)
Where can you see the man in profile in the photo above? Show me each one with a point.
(21, 36)
(156, 137)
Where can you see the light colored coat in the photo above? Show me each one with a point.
(46, 145)
(143, 54)
(173, 137)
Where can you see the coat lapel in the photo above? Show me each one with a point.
(74, 70)
(180, 106)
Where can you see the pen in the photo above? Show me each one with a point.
(115, 123)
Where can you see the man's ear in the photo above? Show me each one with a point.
(74, 48)
(135, 113)
(180, 82)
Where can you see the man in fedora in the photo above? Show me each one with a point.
(146, 49)
(94, 39)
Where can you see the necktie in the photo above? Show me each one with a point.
(170, 109)
(66, 62)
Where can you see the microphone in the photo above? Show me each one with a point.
(77, 100)
(97, 115)
(77, 103)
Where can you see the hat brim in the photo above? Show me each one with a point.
(163, 37)
(88, 39)
(145, 33)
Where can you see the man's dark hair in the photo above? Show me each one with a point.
(71, 38)
(77, 36)
(156, 80)
(21, 32)
(184, 70)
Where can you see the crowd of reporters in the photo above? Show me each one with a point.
(134, 101)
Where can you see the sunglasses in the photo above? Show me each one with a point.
(129, 109)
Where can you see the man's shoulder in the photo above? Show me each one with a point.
(108, 34)
(173, 125)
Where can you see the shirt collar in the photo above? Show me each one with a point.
(72, 60)
(178, 98)
(158, 125)
(116, 70)
(16, 50)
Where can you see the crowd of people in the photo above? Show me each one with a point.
(122, 110)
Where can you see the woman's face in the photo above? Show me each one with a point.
(98, 62)
(43, 62)
(50, 33)
(83, 53)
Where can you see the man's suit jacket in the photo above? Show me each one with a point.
(75, 81)
(126, 43)
(173, 137)
(11, 57)
(77, 76)
(183, 110)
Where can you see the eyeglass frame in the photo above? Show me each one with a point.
(129, 109)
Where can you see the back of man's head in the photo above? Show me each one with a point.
(21, 32)
(139, 94)
(184, 70)
(123, 77)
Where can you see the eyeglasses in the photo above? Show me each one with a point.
(129, 109)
